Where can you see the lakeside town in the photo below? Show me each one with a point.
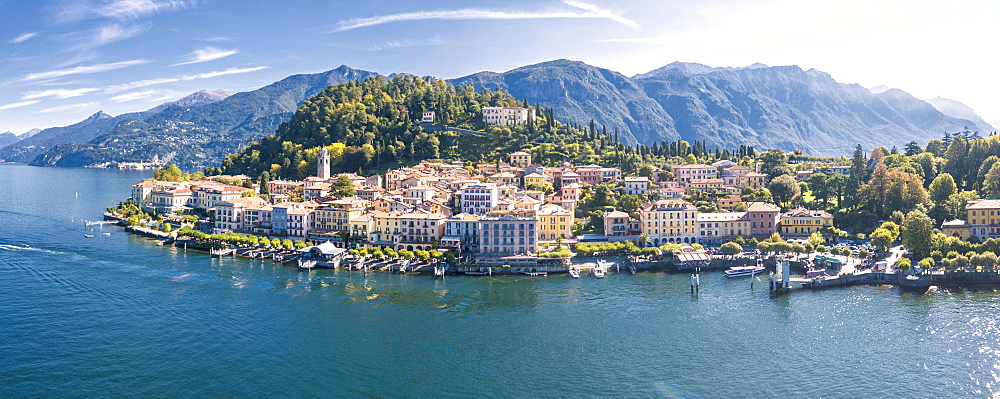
(523, 215)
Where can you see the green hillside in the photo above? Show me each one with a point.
(369, 126)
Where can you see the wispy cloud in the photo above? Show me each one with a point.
(113, 33)
(138, 95)
(119, 9)
(68, 107)
(408, 43)
(584, 10)
(229, 71)
(158, 81)
(207, 54)
(83, 69)
(23, 37)
(17, 105)
(58, 93)
(137, 84)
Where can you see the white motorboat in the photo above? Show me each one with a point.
(737, 271)
(574, 272)
(598, 272)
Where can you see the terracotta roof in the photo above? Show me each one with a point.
(668, 204)
(762, 207)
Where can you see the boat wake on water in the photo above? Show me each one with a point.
(10, 247)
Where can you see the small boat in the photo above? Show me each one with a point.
(537, 274)
(574, 272)
(107, 234)
(737, 271)
(89, 235)
(306, 264)
(631, 270)
(598, 272)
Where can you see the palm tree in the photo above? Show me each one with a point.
(643, 240)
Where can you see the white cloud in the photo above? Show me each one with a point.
(58, 93)
(138, 95)
(409, 43)
(152, 82)
(207, 54)
(229, 71)
(589, 11)
(20, 104)
(113, 33)
(119, 9)
(69, 107)
(83, 69)
(138, 84)
(23, 37)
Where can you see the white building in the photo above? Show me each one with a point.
(686, 173)
(461, 232)
(636, 185)
(428, 117)
(232, 215)
(478, 198)
(505, 116)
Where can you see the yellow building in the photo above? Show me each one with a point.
(983, 218)
(669, 220)
(336, 215)
(753, 180)
(956, 228)
(520, 158)
(705, 184)
(534, 178)
(554, 222)
(361, 229)
(802, 222)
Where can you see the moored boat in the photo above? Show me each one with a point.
(574, 272)
(598, 272)
(737, 271)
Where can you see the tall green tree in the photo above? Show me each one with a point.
(942, 188)
(784, 189)
(991, 182)
(917, 231)
(936, 147)
(819, 184)
(774, 163)
(342, 187)
(857, 177)
(955, 158)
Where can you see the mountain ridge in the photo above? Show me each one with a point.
(782, 107)
(194, 135)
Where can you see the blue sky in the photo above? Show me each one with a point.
(61, 61)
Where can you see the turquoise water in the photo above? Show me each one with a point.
(121, 316)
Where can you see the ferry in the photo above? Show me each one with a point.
(737, 271)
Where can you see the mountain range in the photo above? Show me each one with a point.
(193, 132)
(782, 107)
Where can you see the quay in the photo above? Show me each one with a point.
(905, 281)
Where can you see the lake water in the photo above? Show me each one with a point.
(121, 316)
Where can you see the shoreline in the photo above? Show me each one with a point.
(917, 283)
